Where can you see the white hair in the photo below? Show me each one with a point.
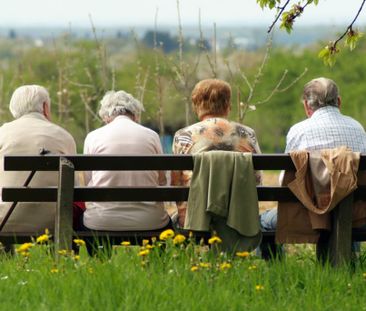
(27, 99)
(321, 92)
(118, 103)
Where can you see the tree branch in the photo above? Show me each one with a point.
(349, 28)
(282, 8)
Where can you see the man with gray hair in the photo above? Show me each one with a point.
(30, 132)
(325, 128)
(123, 135)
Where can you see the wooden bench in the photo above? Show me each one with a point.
(336, 245)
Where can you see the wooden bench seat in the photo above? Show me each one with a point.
(341, 235)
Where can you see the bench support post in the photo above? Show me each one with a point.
(336, 245)
(64, 209)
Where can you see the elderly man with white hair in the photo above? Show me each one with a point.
(325, 128)
(123, 135)
(31, 131)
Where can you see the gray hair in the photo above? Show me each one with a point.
(118, 103)
(27, 99)
(321, 92)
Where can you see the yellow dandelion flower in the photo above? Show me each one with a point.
(153, 239)
(145, 242)
(194, 268)
(259, 287)
(214, 240)
(253, 267)
(126, 243)
(25, 254)
(24, 247)
(225, 266)
(148, 246)
(167, 234)
(144, 253)
(179, 239)
(242, 254)
(54, 270)
(76, 257)
(205, 265)
(62, 252)
(79, 242)
(42, 239)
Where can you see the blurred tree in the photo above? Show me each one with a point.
(12, 34)
(164, 40)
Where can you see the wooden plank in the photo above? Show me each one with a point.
(265, 193)
(133, 162)
(335, 246)
(130, 194)
(64, 210)
(340, 238)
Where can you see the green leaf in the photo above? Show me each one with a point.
(260, 3)
(352, 39)
(328, 55)
(287, 21)
(268, 3)
(272, 4)
(324, 52)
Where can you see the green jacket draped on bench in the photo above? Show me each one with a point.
(223, 198)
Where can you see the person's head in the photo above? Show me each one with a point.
(318, 93)
(30, 98)
(211, 97)
(119, 103)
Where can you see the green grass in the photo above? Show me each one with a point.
(163, 280)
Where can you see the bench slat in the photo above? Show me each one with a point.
(129, 194)
(139, 162)
(265, 193)
(132, 162)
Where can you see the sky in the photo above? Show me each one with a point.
(133, 13)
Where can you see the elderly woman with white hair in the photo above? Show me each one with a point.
(123, 135)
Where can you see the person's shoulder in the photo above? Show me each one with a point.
(188, 129)
(242, 127)
(8, 125)
(98, 132)
(300, 126)
(354, 122)
(62, 132)
(182, 141)
(147, 130)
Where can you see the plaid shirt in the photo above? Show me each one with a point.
(326, 128)
(207, 135)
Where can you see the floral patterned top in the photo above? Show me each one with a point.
(210, 134)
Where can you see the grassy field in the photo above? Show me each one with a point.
(180, 277)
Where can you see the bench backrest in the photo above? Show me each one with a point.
(138, 163)
(66, 193)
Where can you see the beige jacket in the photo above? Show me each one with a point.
(322, 179)
(26, 136)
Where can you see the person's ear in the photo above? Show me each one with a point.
(308, 111)
(46, 111)
(339, 102)
(228, 109)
